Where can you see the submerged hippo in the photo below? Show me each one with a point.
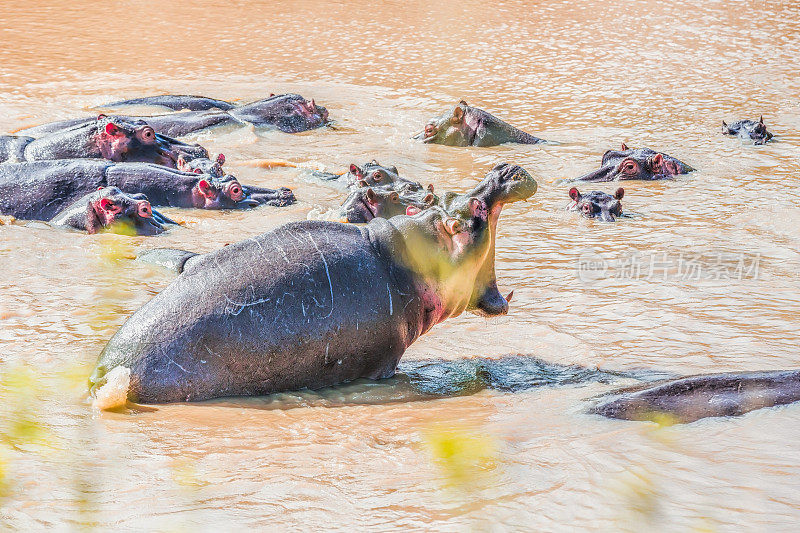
(748, 130)
(312, 304)
(597, 204)
(366, 203)
(691, 398)
(202, 165)
(41, 189)
(371, 174)
(465, 125)
(110, 209)
(636, 164)
(106, 137)
(290, 113)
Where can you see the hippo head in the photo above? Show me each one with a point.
(112, 210)
(373, 173)
(367, 203)
(201, 165)
(453, 128)
(292, 113)
(749, 130)
(453, 248)
(215, 193)
(597, 204)
(117, 137)
(638, 164)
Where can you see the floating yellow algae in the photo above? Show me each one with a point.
(463, 456)
(113, 394)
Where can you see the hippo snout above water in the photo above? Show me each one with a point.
(636, 164)
(313, 304)
(597, 204)
(748, 130)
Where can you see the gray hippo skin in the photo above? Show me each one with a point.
(748, 130)
(636, 164)
(106, 137)
(597, 204)
(465, 125)
(290, 113)
(369, 174)
(310, 304)
(110, 209)
(691, 398)
(177, 102)
(39, 190)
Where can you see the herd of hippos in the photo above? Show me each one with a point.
(315, 303)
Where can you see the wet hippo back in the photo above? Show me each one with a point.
(320, 291)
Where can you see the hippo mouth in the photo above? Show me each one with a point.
(148, 226)
(361, 216)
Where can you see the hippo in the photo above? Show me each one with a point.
(748, 130)
(691, 398)
(177, 102)
(311, 304)
(366, 203)
(636, 164)
(290, 113)
(39, 190)
(371, 174)
(465, 125)
(113, 138)
(202, 165)
(110, 209)
(597, 204)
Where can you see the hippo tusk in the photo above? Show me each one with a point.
(510, 295)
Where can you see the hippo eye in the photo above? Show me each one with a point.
(235, 191)
(394, 198)
(146, 135)
(144, 210)
(377, 176)
(629, 166)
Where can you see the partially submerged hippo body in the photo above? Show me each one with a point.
(636, 164)
(465, 125)
(597, 204)
(39, 190)
(113, 138)
(369, 174)
(691, 398)
(312, 304)
(110, 209)
(290, 113)
(748, 130)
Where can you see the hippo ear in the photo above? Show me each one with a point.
(204, 186)
(463, 102)
(271, 95)
(574, 194)
(624, 147)
(355, 170)
(221, 159)
(458, 115)
(430, 187)
(371, 196)
(725, 128)
(106, 204)
(111, 129)
(656, 162)
(619, 193)
(761, 119)
(429, 198)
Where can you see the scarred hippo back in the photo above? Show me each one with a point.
(320, 291)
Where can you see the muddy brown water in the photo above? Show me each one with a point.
(702, 277)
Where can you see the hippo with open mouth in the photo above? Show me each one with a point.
(636, 164)
(748, 130)
(290, 113)
(106, 137)
(110, 209)
(312, 304)
(465, 125)
(597, 204)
